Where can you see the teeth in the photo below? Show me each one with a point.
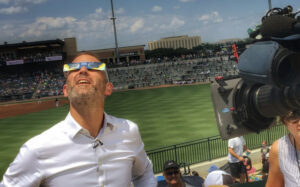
(83, 81)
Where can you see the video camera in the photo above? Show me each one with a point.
(268, 84)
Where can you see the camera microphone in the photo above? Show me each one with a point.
(279, 26)
(97, 142)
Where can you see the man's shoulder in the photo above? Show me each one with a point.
(47, 137)
(121, 123)
(123, 129)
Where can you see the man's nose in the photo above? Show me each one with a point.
(83, 69)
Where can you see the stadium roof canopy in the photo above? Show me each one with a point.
(36, 44)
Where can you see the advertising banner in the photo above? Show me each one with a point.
(14, 62)
(53, 58)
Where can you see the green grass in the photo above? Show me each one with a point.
(165, 116)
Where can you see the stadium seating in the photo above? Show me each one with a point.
(30, 81)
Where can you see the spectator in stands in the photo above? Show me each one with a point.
(172, 175)
(284, 154)
(88, 148)
(236, 147)
(218, 177)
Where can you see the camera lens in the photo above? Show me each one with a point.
(286, 68)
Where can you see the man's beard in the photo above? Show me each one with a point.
(83, 98)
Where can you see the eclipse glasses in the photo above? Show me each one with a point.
(100, 66)
(89, 65)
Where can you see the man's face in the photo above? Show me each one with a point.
(172, 176)
(84, 84)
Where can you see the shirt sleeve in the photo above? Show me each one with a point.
(142, 170)
(23, 171)
(243, 141)
(231, 143)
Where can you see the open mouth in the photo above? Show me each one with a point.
(83, 82)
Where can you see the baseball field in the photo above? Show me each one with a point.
(165, 116)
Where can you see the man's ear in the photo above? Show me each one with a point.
(108, 89)
(65, 90)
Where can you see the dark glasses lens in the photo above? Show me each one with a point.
(172, 172)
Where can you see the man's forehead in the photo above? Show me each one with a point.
(85, 58)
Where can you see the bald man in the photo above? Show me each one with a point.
(89, 147)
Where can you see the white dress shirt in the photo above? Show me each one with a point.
(66, 155)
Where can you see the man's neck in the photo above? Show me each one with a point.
(89, 117)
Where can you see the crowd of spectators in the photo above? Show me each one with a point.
(172, 72)
(43, 80)
(17, 83)
(20, 84)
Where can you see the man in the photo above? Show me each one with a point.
(88, 148)
(236, 147)
(173, 175)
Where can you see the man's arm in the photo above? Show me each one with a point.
(275, 178)
(145, 177)
(24, 170)
(142, 171)
(231, 151)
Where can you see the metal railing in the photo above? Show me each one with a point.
(208, 148)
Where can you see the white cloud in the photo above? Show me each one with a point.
(55, 22)
(44, 25)
(176, 22)
(156, 9)
(185, 1)
(30, 1)
(98, 11)
(99, 14)
(213, 17)
(4, 1)
(170, 25)
(13, 10)
(137, 25)
(120, 11)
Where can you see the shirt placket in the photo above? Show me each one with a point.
(100, 171)
(97, 149)
(99, 157)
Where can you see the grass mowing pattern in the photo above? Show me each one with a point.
(165, 116)
(15, 131)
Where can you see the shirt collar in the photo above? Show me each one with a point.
(72, 127)
(108, 122)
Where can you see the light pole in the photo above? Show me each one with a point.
(115, 32)
(270, 4)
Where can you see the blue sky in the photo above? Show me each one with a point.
(138, 21)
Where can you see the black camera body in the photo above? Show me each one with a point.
(268, 84)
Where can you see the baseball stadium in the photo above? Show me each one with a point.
(169, 99)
